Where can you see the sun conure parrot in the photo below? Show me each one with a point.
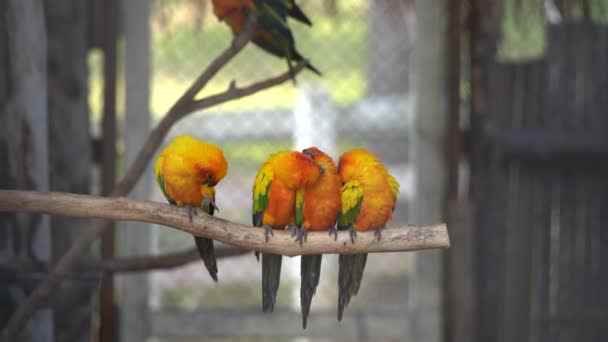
(322, 202)
(369, 194)
(187, 171)
(278, 201)
(272, 33)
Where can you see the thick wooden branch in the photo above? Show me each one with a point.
(407, 238)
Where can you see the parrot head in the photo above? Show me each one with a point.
(214, 169)
(325, 163)
(354, 161)
(296, 169)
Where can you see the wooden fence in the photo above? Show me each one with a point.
(540, 193)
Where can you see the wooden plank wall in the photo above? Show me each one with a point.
(540, 220)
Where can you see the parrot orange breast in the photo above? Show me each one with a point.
(322, 200)
(295, 169)
(281, 202)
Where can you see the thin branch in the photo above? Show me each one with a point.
(183, 107)
(41, 293)
(156, 262)
(129, 264)
(235, 92)
(393, 240)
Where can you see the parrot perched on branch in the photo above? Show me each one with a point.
(322, 202)
(369, 195)
(278, 201)
(187, 171)
(272, 33)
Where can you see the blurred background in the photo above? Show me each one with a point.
(491, 115)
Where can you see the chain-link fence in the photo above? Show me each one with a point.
(362, 48)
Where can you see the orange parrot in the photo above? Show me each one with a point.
(272, 33)
(322, 202)
(278, 201)
(369, 194)
(187, 171)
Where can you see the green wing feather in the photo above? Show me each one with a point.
(161, 183)
(352, 197)
(299, 207)
(261, 188)
(280, 9)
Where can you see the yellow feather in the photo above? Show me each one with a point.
(261, 183)
(394, 185)
(351, 194)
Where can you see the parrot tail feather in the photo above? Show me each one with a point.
(313, 69)
(296, 13)
(297, 57)
(310, 272)
(207, 253)
(350, 275)
(271, 276)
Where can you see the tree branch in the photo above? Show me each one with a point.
(129, 264)
(178, 111)
(156, 262)
(393, 240)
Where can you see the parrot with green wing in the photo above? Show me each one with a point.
(187, 171)
(322, 202)
(278, 202)
(272, 33)
(369, 194)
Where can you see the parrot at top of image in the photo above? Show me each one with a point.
(369, 195)
(322, 202)
(187, 171)
(278, 201)
(272, 33)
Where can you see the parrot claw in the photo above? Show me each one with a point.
(353, 234)
(334, 231)
(378, 233)
(294, 230)
(208, 201)
(302, 236)
(267, 231)
(191, 212)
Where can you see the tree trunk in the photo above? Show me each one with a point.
(24, 239)
(70, 150)
(430, 163)
(134, 318)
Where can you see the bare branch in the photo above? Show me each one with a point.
(393, 240)
(156, 262)
(183, 106)
(129, 264)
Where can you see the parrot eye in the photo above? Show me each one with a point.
(309, 153)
